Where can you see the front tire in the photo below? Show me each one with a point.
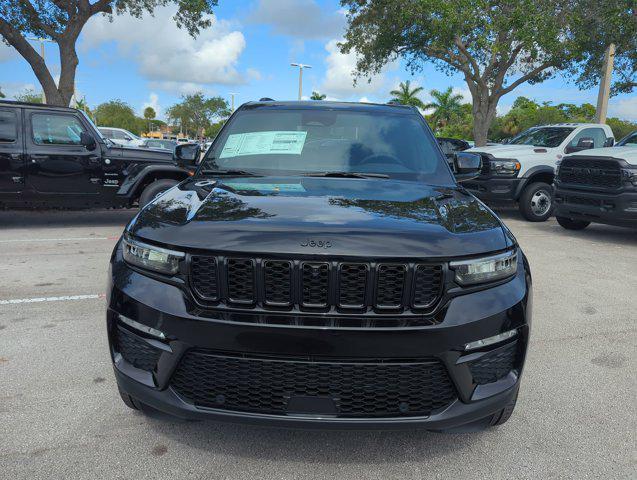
(156, 188)
(536, 202)
(570, 224)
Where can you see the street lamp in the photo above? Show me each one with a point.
(301, 67)
(232, 94)
(41, 40)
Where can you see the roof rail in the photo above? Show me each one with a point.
(266, 99)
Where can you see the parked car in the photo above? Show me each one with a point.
(450, 146)
(598, 186)
(55, 157)
(120, 136)
(522, 171)
(159, 143)
(322, 267)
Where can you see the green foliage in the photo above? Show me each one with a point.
(29, 95)
(195, 112)
(621, 128)
(461, 126)
(317, 96)
(118, 114)
(1, 94)
(212, 130)
(149, 113)
(406, 96)
(447, 107)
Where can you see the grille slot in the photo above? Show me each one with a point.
(352, 285)
(315, 280)
(135, 350)
(277, 283)
(602, 173)
(204, 277)
(427, 285)
(390, 286)
(241, 281)
(265, 385)
(494, 366)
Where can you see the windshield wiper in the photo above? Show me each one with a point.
(238, 173)
(346, 175)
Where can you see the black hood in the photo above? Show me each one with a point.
(133, 153)
(357, 217)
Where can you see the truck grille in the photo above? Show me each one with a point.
(285, 285)
(593, 172)
(375, 388)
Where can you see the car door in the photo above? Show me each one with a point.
(598, 135)
(11, 151)
(56, 160)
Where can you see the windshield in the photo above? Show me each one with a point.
(628, 141)
(303, 141)
(542, 137)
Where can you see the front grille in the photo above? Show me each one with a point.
(321, 286)
(135, 350)
(602, 173)
(281, 386)
(494, 366)
(486, 164)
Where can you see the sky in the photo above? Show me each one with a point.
(248, 51)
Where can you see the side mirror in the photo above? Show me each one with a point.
(584, 143)
(609, 142)
(87, 141)
(466, 165)
(186, 155)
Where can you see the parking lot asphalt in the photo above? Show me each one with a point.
(61, 416)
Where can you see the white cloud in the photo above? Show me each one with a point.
(169, 56)
(364, 100)
(624, 108)
(7, 52)
(298, 18)
(339, 78)
(11, 89)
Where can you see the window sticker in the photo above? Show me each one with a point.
(263, 143)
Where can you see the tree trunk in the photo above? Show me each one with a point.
(68, 67)
(484, 111)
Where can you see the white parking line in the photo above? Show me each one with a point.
(67, 239)
(51, 299)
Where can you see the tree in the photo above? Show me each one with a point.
(29, 95)
(149, 115)
(62, 21)
(318, 96)
(195, 112)
(615, 22)
(405, 96)
(446, 105)
(118, 114)
(496, 45)
(1, 94)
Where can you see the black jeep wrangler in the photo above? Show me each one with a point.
(323, 267)
(55, 157)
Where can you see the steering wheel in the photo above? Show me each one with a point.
(382, 158)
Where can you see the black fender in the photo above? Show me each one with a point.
(530, 177)
(139, 176)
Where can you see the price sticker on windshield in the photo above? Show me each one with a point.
(264, 143)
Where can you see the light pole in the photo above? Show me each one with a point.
(42, 54)
(301, 67)
(604, 85)
(232, 94)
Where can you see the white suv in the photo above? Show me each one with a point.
(522, 170)
(121, 136)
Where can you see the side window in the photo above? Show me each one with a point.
(8, 126)
(52, 129)
(597, 134)
(106, 132)
(117, 135)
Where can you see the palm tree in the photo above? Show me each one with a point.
(446, 105)
(405, 96)
(318, 96)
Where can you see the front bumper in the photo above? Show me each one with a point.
(612, 209)
(496, 189)
(468, 318)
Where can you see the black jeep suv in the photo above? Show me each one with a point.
(323, 267)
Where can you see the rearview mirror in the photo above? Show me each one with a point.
(186, 155)
(87, 141)
(584, 143)
(466, 165)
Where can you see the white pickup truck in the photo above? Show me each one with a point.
(522, 170)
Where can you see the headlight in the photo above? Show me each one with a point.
(150, 257)
(487, 269)
(630, 175)
(507, 167)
